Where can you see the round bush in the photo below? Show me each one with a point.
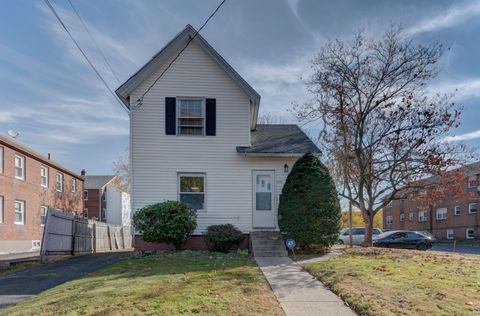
(222, 237)
(309, 210)
(170, 222)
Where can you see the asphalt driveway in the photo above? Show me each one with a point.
(22, 284)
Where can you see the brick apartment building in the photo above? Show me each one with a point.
(450, 219)
(30, 183)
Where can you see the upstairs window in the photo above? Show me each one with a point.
(472, 182)
(441, 213)
(44, 176)
(85, 195)
(74, 185)
(389, 220)
(1, 159)
(472, 208)
(422, 216)
(19, 167)
(191, 117)
(59, 182)
(456, 210)
(192, 190)
(402, 217)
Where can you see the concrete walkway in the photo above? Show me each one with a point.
(298, 292)
(17, 286)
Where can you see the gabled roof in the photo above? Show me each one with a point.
(278, 140)
(97, 182)
(173, 47)
(28, 151)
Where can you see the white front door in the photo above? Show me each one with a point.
(263, 199)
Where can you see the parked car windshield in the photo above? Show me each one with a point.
(377, 231)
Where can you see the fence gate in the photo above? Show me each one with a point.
(67, 234)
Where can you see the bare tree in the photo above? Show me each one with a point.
(271, 118)
(121, 168)
(381, 130)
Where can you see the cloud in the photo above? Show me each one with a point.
(453, 16)
(463, 137)
(462, 89)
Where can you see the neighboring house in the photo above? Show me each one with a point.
(106, 201)
(30, 183)
(451, 218)
(194, 137)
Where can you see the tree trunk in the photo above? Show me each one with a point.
(350, 224)
(368, 229)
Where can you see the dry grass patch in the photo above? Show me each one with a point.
(378, 281)
(184, 283)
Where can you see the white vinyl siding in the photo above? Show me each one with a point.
(44, 176)
(19, 212)
(20, 167)
(158, 158)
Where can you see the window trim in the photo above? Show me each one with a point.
(177, 118)
(389, 220)
(466, 233)
(2, 159)
(469, 208)
(43, 167)
(22, 159)
(194, 174)
(423, 218)
(455, 209)
(61, 181)
(43, 207)
(452, 235)
(2, 208)
(444, 214)
(21, 202)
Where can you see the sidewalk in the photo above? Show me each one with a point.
(298, 292)
(20, 256)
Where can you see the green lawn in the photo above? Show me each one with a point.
(378, 281)
(169, 284)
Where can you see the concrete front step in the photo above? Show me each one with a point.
(268, 244)
(270, 254)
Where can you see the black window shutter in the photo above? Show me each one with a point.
(170, 117)
(211, 117)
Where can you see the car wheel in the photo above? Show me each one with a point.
(422, 247)
(340, 242)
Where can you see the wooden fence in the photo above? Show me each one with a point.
(67, 234)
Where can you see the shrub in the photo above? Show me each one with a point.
(222, 237)
(309, 210)
(170, 222)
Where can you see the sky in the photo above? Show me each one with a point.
(59, 106)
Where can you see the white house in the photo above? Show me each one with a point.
(106, 200)
(194, 137)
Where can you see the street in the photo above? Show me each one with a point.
(465, 249)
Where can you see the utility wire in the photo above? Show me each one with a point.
(140, 100)
(93, 40)
(47, 2)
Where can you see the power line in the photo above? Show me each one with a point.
(47, 2)
(140, 100)
(93, 40)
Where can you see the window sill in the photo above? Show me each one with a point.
(20, 224)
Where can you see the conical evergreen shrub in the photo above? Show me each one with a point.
(309, 210)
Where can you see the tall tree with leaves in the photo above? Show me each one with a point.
(381, 129)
